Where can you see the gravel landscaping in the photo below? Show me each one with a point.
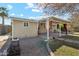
(33, 47)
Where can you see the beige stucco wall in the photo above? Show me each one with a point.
(42, 27)
(20, 31)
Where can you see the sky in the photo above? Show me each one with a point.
(23, 10)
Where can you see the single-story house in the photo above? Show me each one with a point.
(24, 28)
(30, 28)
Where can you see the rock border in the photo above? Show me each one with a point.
(49, 50)
(4, 49)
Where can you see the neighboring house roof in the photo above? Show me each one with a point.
(6, 26)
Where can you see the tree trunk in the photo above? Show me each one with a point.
(3, 27)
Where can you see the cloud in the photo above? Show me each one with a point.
(33, 7)
(21, 15)
(38, 17)
(41, 17)
(12, 14)
(9, 6)
(35, 10)
(29, 5)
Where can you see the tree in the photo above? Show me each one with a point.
(75, 21)
(3, 14)
(59, 8)
(62, 9)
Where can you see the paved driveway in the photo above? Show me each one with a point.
(33, 47)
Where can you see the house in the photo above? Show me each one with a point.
(30, 28)
(24, 27)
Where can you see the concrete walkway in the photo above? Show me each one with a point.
(4, 37)
(33, 47)
(3, 40)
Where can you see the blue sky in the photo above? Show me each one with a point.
(23, 10)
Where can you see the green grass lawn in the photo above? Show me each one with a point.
(66, 51)
(61, 48)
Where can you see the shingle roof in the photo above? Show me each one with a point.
(22, 19)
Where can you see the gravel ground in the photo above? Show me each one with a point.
(33, 47)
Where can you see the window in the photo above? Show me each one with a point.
(25, 24)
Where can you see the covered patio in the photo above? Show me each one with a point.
(53, 27)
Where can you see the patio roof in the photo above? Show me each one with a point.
(54, 18)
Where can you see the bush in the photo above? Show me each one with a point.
(14, 49)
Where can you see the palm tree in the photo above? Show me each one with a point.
(3, 14)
